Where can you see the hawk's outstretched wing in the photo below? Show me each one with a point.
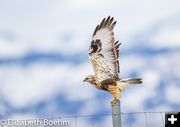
(103, 52)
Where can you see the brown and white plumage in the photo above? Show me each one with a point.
(104, 54)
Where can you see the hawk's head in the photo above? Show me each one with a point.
(89, 79)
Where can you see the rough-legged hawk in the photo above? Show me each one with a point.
(103, 54)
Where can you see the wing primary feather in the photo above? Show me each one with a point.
(105, 23)
(110, 22)
(116, 42)
(113, 25)
(102, 23)
(117, 45)
(107, 20)
(97, 27)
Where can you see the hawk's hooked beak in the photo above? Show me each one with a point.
(85, 80)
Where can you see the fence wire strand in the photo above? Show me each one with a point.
(129, 119)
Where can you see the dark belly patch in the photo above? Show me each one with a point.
(107, 82)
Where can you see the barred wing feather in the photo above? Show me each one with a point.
(103, 52)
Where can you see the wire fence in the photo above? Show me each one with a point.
(133, 119)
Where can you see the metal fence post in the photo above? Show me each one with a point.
(116, 114)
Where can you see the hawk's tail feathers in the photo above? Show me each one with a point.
(132, 81)
(124, 83)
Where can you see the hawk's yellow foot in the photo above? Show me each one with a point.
(114, 101)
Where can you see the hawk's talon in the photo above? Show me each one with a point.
(114, 101)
